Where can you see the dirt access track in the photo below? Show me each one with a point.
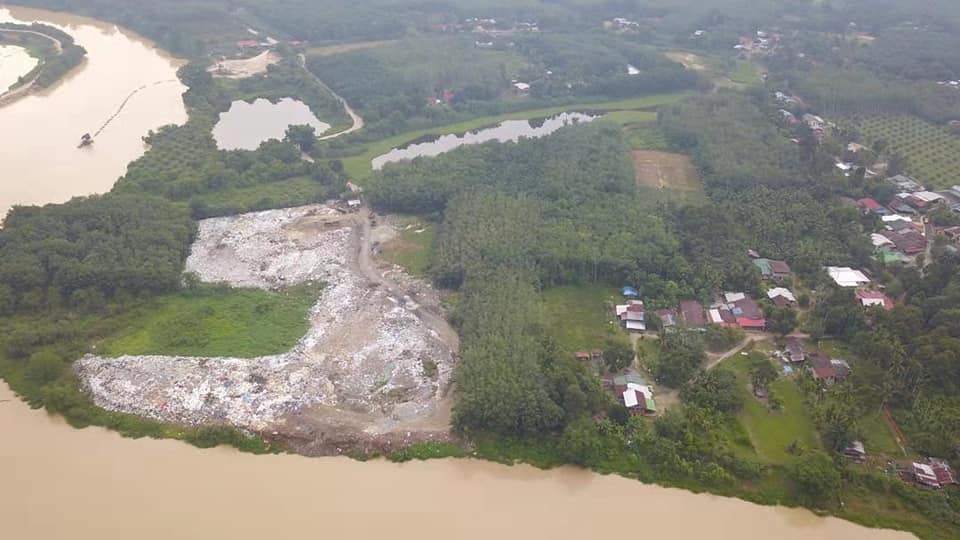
(373, 372)
(662, 170)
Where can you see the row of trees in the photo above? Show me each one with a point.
(90, 249)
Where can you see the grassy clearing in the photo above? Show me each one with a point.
(745, 73)
(933, 154)
(645, 136)
(771, 433)
(413, 247)
(331, 50)
(579, 317)
(359, 169)
(877, 436)
(285, 193)
(216, 321)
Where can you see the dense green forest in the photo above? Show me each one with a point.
(425, 81)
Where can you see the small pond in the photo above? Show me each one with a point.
(246, 125)
(510, 130)
(15, 62)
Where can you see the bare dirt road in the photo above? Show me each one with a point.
(354, 117)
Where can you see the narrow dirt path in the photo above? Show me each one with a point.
(55, 41)
(354, 117)
(368, 268)
(751, 338)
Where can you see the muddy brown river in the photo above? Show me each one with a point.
(91, 484)
(39, 133)
(60, 483)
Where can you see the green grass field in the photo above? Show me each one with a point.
(933, 154)
(359, 169)
(579, 318)
(216, 321)
(286, 193)
(877, 435)
(772, 432)
(745, 73)
(413, 248)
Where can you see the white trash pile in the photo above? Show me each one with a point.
(364, 352)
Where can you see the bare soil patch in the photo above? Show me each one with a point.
(347, 47)
(689, 60)
(373, 372)
(245, 67)
(663, 170)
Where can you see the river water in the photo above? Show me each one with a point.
(14, 62)
(60, 483)
(91, 484)
(39, 133)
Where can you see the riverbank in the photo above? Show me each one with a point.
(55, 50)
(49, 121)
(200, 491)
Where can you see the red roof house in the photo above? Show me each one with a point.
(872, 205)
(748, 314)
(692, 312)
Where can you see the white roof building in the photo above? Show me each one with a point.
(928, 196)
(781, 291)
(715, 317)
(894, 217)
(880, 240)
(732, 297)
(847, 277)
(522, 86)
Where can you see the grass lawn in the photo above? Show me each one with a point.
(579, 317)
(877, 435)
(215, 321)
(745, 73)
(413, 248)
(771, 433)
(359, 169)
(296, 191)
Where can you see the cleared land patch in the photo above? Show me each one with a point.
(374, 366)
(689, 60)
(663, 170)
(331, 50)
(245, 67)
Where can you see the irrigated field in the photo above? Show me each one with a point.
(933, 154)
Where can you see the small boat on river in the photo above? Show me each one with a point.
(86, 140)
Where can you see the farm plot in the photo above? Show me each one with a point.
(933, 154)
(662, 170)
